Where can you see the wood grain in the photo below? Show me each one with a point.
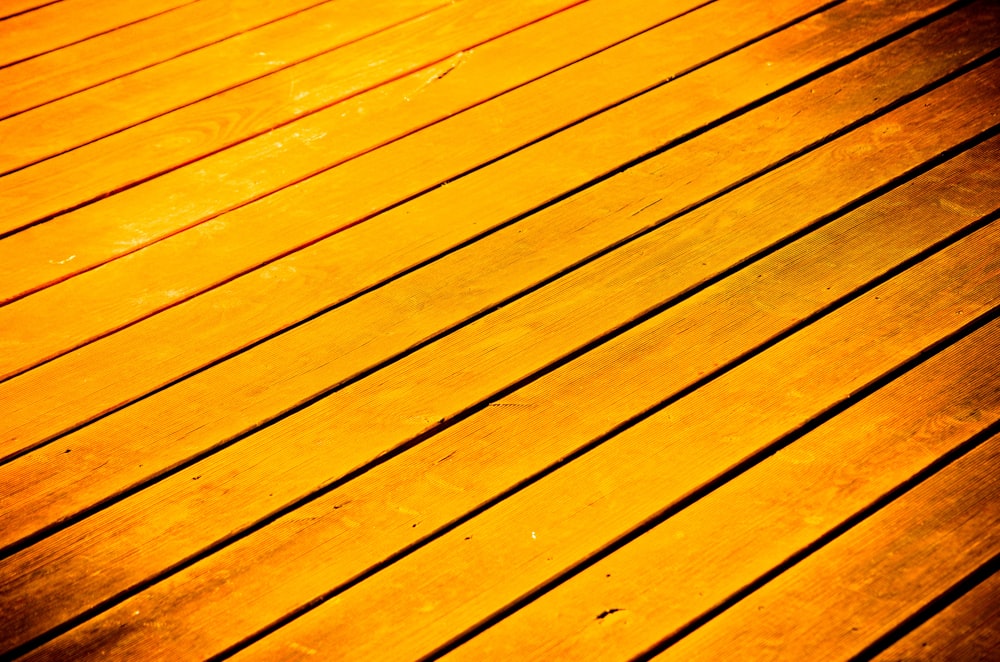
(14, 7)
(67, 22)
(556, 430)
(967, 629)
(102, 58)
(700, 557)
(181, 82)
(458, 216)
(231, 116)
(872, 577)
(39, 256)
(482, 565)
(343, 337)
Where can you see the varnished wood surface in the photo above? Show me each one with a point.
(561, 329)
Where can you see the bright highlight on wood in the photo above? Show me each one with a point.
(506, 329)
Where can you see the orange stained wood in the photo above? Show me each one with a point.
(375, 118)
(134, 47)
(466, 192)
(27, 34)
(552, 430)
(340, 362)
(561, 329)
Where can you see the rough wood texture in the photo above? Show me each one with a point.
(967, 629)
(88, 63)
(499, 330)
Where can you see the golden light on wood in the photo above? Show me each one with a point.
(499, 329)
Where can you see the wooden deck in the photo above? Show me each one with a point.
(499, 329)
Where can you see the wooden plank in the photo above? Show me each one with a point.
(187, 418)
(624, 604)
(332, 348)
(142, 44)
(967, 629)
(67, 22)
(875, 575)
(237, 68)
(551, 426)
(466, 574)
(14, 7)
(524, 185)
(251, 109)
(96, 233)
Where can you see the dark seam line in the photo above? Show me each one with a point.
(932, 162)
(389, 279)
(725, 477)
(98, 34)
(434, 431)
(172, 57)
(215, 214)
(583, 450)
(246, 531)
(30, 9)
(274, 127)
(846, 525)
(902, 100)
(229, 88)
(947, 154)
(931, 609)
(298, 180)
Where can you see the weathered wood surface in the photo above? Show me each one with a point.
(564, 330)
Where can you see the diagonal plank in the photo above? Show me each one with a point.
(300, 39)
(39, 256)
(967, 629)
(220, 117)
(63, 23)
(186, 419)
(15, 7)
(464, 215)
(331, 347)
(623, 604)
(461, 578)
(864, 582)
(142, 44)
(85, 539)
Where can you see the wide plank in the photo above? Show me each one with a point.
(63, 23)
(254, 226)
(83, 65)
(235, 114)
(14, 7)
(82, 239)
(110, 458)
(92, 539)
(871, 578)
(679, 572)
(967, 629)
(475, 568)
(179, 83)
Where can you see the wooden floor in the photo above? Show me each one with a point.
(499, 329)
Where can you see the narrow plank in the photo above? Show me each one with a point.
(623, 605)
(67, 22)
(187, 418)
(96, 233)
(524, 185)
(222, 120)
(142, 44)
(557, 429)
(480, 566)
(13, 7)
(234, 66)
(967, 629)
(861, 584)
